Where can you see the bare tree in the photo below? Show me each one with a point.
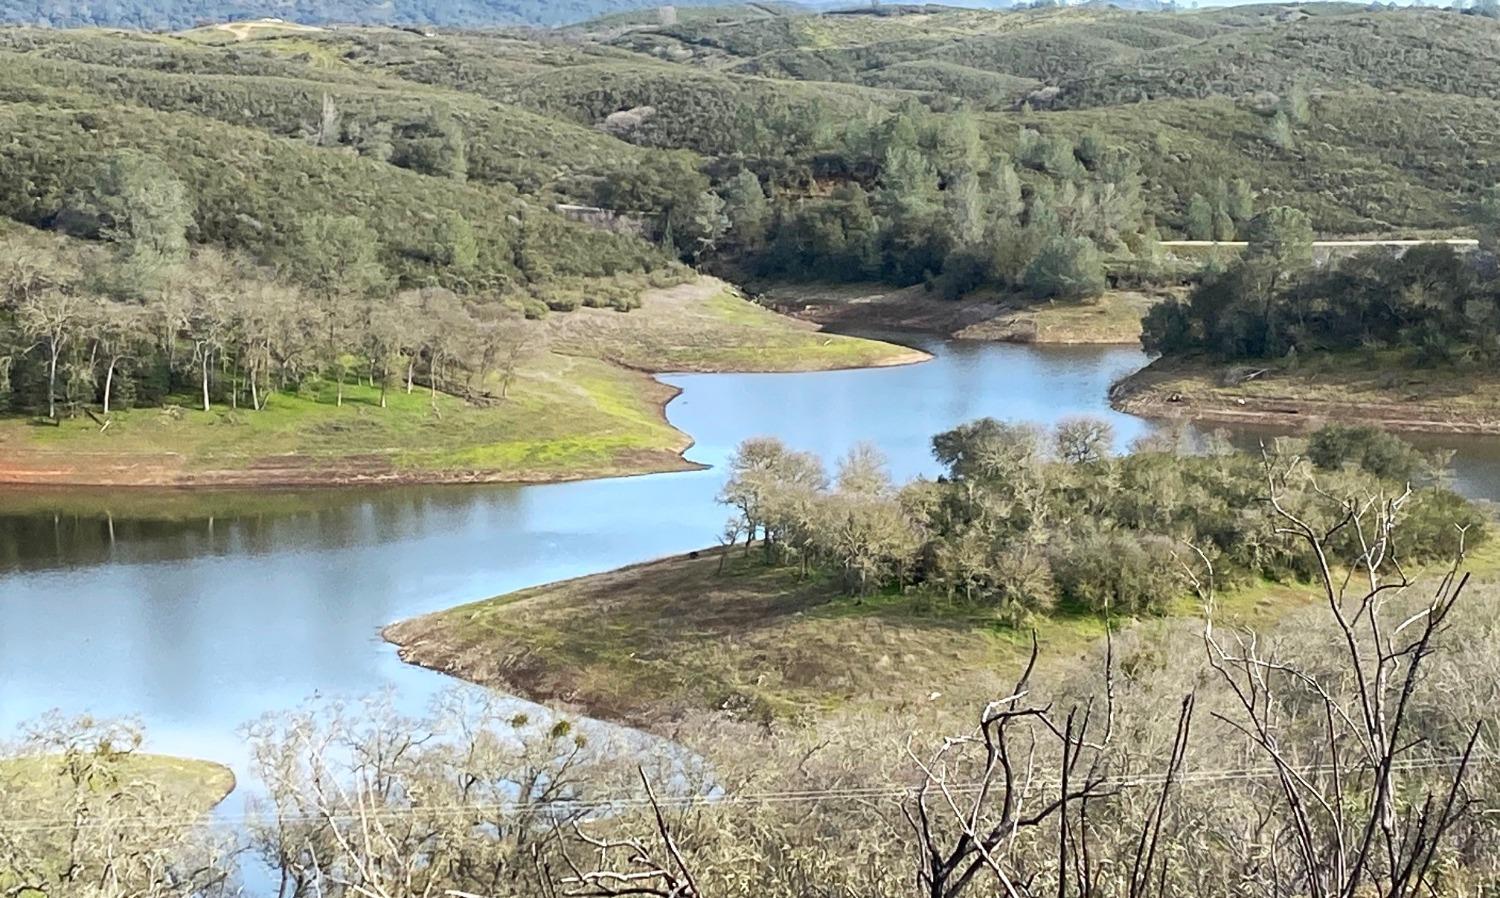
(50, 317)
(1084, 439)
(1013, 801)
(81, 822)
(365, 802)
(629, 866)
(117, 328)
(1357, 804)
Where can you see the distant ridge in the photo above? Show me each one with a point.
(171, 15)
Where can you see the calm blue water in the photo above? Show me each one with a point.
(199, 623)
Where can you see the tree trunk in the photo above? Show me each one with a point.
(385, 381)
(52, 381)
(205, 380)
(340, 400)
(109, 380)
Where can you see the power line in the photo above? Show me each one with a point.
(602, 806)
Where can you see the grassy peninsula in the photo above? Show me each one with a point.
(866, 598)
(677, 638)
(1384, 388)
(1401, 337)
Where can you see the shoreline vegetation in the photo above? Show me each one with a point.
(1405, 339)
(583, 405)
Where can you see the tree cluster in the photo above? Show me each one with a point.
(924, 198)
(1022, 520)
(139, 325)
(1432, 301)
(1222, 214)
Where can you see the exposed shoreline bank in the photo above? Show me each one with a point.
(1317, 392)
(1113, 319)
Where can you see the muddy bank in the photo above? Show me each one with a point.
(1411, 401)
(1112, 319)
(170, 471)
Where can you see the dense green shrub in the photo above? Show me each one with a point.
(1066, 268)
(1383, 454)
(1019, 523)
(1432, 301)
(1436, 523)
(1117, 573)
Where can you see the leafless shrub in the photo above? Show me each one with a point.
(81, 821)
(364, 802)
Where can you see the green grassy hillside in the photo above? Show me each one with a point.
(252, 192)
(1397, 136)
(1401, 101)
(1403, 49)
(284, 97)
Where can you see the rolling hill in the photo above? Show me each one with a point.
(174, 14)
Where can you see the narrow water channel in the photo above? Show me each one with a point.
(198, 613)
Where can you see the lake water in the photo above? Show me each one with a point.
(196, 614)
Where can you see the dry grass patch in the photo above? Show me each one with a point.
(1114, 317)
(706, 325)
(658, 642)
